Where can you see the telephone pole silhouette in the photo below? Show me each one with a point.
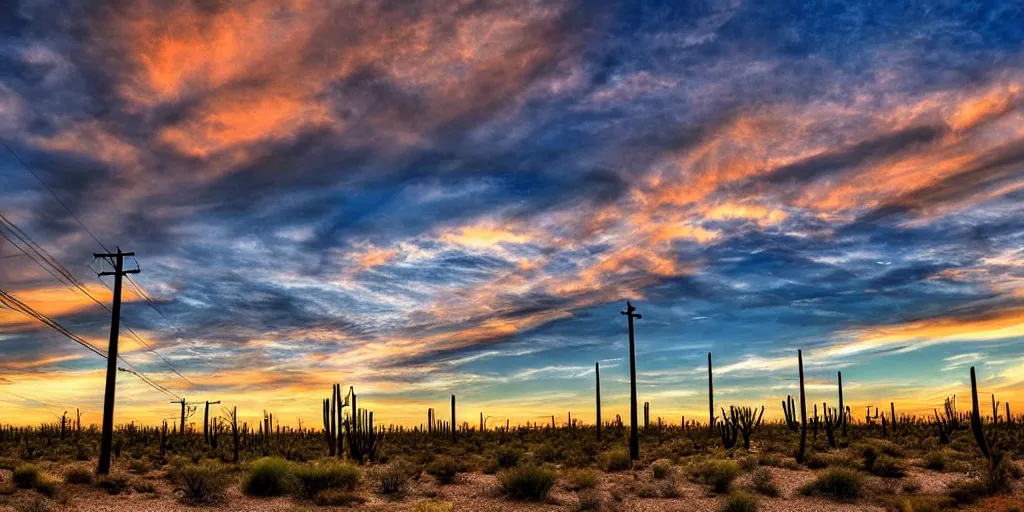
(117, 260)
(634, 442)
(206, 421)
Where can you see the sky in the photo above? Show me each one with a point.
(458, 197)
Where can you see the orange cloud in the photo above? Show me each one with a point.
(57, 301)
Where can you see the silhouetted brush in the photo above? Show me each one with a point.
(728, 431)
(790, 412)
(747, 422)
(803, 410)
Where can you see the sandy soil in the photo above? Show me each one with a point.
(479, 492)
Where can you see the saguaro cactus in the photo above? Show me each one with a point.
(728, 430)
(842, 410)
(803, 410)
(597, 382)
(789, 409)
(711, 397)
(747, 422)
(453, 419)
(647, 414)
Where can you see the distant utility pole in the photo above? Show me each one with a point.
(634, 443)
(117, 260)
(206, 421)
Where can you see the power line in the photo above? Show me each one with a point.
(72, 280)
(14, 303)
(54, 194)
(54, 267)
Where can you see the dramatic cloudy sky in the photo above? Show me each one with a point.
(459, 196)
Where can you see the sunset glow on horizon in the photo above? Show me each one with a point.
(421, 200)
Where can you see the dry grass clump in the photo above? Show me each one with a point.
(577, 479)
(719, 474)
(764, 482)
(739, 501)
(837, 483)
(616, 460)
(527, 483)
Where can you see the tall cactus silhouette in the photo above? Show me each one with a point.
(597, 382)
(803, 410)
(711, 397)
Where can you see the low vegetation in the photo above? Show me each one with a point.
(527, 482)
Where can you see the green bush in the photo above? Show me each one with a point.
(311, 480)
(527, 483)
(46, 487)
(392, 479)
(138, 467)
(661, 469)
(78, 475)
(269, 476)
(589, 500)
(966, 492)
(201, 485)
(576, 479)
(739, 501)
(508, 457)
(113, 484)
(935, 461)
(764, 482)
(444, 469)
(26, 475)
(837, 483)
(719, 474)
(616, 460)
(888, 467)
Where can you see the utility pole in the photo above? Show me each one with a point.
(186, 413)
(117, 260)
(634, 442)
(206, 421)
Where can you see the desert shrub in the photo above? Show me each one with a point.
(888, 467)
(138, 467)
(935, 461)
(589, 500)
(46, 487)
(78, 475)
(26, 475)
(911, 487)
(392, 479)
(528, 483)
(549, 452)
(719, 474)
(916, 503)
(36, 505)
(966, 492)
(113, 484)
(201, 485)
(432, 506)
(815, 460)
(576, 479)
(739, 501)
(998, 477)
(444, 469)
(269, 476)
(337, 498)
(142, 486)
(616, 460)
(507, 457)
(312, 479)
(661, 468)
(764, 482)
(837, 483)
(873, 450)
(769, 459)
(748, 463)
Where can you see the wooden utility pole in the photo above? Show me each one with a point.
(634, 442)
(107, 436)
(206, 421)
